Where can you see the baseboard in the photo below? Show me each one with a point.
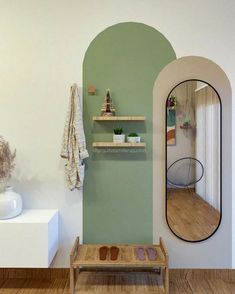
(63, 273)
(222, 274)
(174, 190)
(34, 273)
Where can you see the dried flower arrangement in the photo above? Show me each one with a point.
(6, 162)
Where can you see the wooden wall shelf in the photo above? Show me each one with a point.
(117, 145)
(119, 118)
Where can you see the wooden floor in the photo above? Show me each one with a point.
(116, 283)
(189, 216)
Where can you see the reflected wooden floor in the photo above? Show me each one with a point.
(189, 216)
(98, 283)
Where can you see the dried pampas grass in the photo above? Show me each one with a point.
(6, 160)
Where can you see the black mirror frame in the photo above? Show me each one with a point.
(194, 241)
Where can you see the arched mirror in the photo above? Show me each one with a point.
(193, 160)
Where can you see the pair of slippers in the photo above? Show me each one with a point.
(103, 252)
(151, 252)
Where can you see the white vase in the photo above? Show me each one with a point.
(10, 203)
(133, 139)
(118, 138)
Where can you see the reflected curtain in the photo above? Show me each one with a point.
(207, 147)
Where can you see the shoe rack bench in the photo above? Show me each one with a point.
(87, 256)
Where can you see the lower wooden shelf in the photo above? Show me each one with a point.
(87, 256)
(119, 118)
(117, 145)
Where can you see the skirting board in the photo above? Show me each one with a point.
(34, 273)
(227, 275)
(61, 273)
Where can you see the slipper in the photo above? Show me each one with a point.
(152, 254)
(114, 253)
(140, 253)
(103, 251)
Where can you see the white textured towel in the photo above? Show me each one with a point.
(74, 142)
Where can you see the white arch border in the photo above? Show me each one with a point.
(215, 252)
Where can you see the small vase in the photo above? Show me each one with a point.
(10, 203)
(119, 138)
(133, 139)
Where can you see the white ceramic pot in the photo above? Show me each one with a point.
(10, 203)
(133, 139)
(118, 138)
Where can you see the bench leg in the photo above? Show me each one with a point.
(72, 280)
(166, 282)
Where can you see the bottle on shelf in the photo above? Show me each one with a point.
(107, 108)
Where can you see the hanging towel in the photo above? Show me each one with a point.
(74, 142)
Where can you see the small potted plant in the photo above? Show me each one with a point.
(171, 102)
(118, 136)
(10, 201)
(133, 138)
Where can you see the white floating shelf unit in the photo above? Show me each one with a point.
(29, 240)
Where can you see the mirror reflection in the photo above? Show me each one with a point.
(193, 158)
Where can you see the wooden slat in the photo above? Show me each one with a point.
(163, 249)
(113, 282)
(119, 118)
(74, 250)
(73, 255)
(166, 271)
(118, 145)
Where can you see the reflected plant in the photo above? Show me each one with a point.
(171, 102)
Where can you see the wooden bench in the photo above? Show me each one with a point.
(87, 256)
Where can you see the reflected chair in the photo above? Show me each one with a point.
(184, 173)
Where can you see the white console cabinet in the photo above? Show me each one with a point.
(30, 239)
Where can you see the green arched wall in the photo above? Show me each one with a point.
(118, 193)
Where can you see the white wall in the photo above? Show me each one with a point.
(42, 45)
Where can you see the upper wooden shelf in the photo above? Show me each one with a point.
(119, 118)
(87, 255)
